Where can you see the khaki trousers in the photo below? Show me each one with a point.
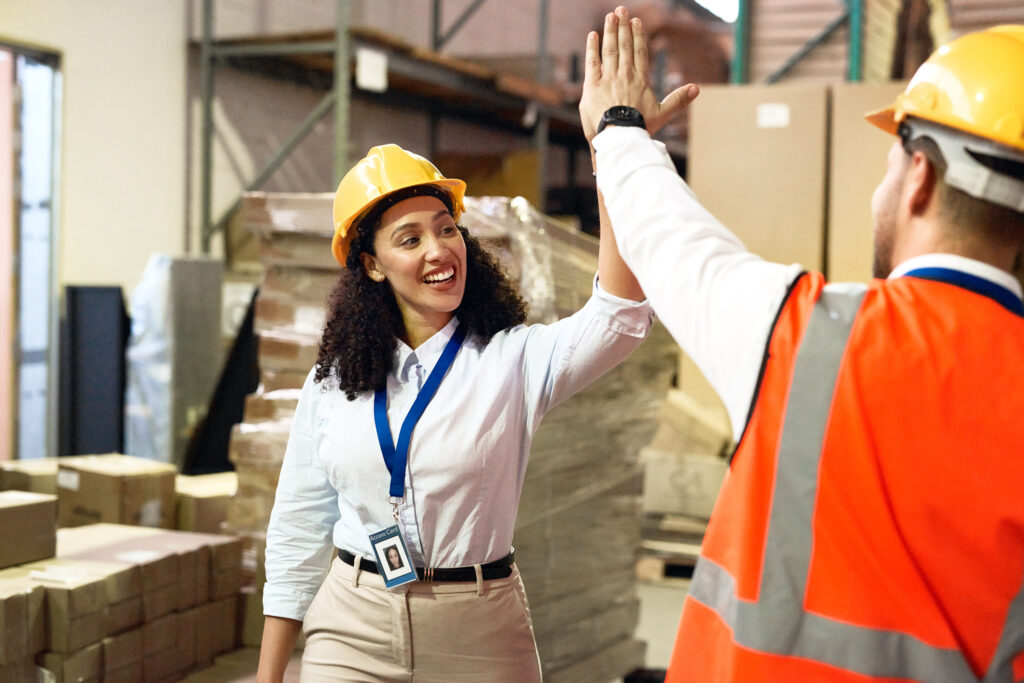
(357, 630)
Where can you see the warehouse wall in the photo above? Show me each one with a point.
(122, 181)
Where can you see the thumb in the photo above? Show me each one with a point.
(678, 99)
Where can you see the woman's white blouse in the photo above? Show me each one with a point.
(467, 457)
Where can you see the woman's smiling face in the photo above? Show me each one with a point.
(422, 256)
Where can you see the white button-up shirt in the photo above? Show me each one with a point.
(717, 299)
(468, 453)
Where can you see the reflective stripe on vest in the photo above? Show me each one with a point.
(776, 623)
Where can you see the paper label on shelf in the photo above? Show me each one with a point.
(67, 479)
(773, 115)
(371, 69)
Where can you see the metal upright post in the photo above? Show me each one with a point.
(341, 90)
(540, 133)
(856, 9)
(206, 142)
(741, 43)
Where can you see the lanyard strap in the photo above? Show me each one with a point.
(978, 285)
(396, 458)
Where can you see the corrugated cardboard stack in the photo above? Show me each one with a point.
(120, 603)
(579, 521)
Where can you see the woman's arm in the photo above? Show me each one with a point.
(615, 276)
(279, 636)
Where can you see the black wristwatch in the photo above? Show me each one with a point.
(622, 116)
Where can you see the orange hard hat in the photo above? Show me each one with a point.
(385, 170)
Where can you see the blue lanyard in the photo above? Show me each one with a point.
(396, 459)
(978, 285)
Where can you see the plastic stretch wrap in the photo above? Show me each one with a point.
(174, 354)
(579, 522)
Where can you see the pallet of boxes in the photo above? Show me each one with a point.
(684, 467)
(578, 530)
(114, 593)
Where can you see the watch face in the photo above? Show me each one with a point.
(621, 116)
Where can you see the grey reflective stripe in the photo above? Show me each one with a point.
(777, 622)
(1011, 643)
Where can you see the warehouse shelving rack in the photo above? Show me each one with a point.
(441, 85)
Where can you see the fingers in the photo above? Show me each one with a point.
(625, 37)
(592, 59)
(610, 44)
(678, 99)
(641, 59)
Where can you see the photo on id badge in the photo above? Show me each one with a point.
(392, 559)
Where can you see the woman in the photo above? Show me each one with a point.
(376, 459)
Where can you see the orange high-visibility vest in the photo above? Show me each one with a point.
(871, 526)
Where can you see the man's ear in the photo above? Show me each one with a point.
(371, 267)
(920, 183)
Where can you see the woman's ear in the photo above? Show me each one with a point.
(371, 267)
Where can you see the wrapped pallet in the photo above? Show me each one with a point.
(578, 528)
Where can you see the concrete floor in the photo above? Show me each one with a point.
(660, 607)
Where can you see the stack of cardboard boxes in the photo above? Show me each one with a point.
(110, 601)
(578, 527)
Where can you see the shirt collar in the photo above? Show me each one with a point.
(977, 268)
(426, 355)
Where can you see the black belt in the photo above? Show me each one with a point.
(499, 569)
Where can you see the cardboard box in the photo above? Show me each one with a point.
(250, 617)
(203, 501)
(857, 164)
(681, 484)
(77, 598)
(117, 489)
(22, 621)
(758, 163)
(29, 523)
(160, 648)
(38, 475)
(122, 656)
(19, 672)
(159, 568)
(83, 665)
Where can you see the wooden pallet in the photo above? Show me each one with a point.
(667, 562)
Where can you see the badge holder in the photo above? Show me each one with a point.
(392, 557)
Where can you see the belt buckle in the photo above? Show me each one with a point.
(428, 574)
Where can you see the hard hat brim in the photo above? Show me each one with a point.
(884, 119)
(343, 235)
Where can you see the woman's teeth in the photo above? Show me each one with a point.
(442, 276)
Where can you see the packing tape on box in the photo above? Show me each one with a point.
(150, 514)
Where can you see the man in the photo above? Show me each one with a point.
(871, 527)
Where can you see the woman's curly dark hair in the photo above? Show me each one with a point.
(364, 323)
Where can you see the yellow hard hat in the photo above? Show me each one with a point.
(974, 84)
(384, 170)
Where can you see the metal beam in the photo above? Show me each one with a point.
(206, 132)
(297, 136)
(276, 49)
(741, 43)
(856, 55)
(541, 131)
(441, 39)
(807, 47)
(342, 86)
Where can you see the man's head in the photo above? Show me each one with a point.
(955, 178)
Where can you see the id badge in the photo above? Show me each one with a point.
(392, 557)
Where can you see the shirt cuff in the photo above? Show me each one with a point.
(625, 316)
(281, 601)
(621, 150)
